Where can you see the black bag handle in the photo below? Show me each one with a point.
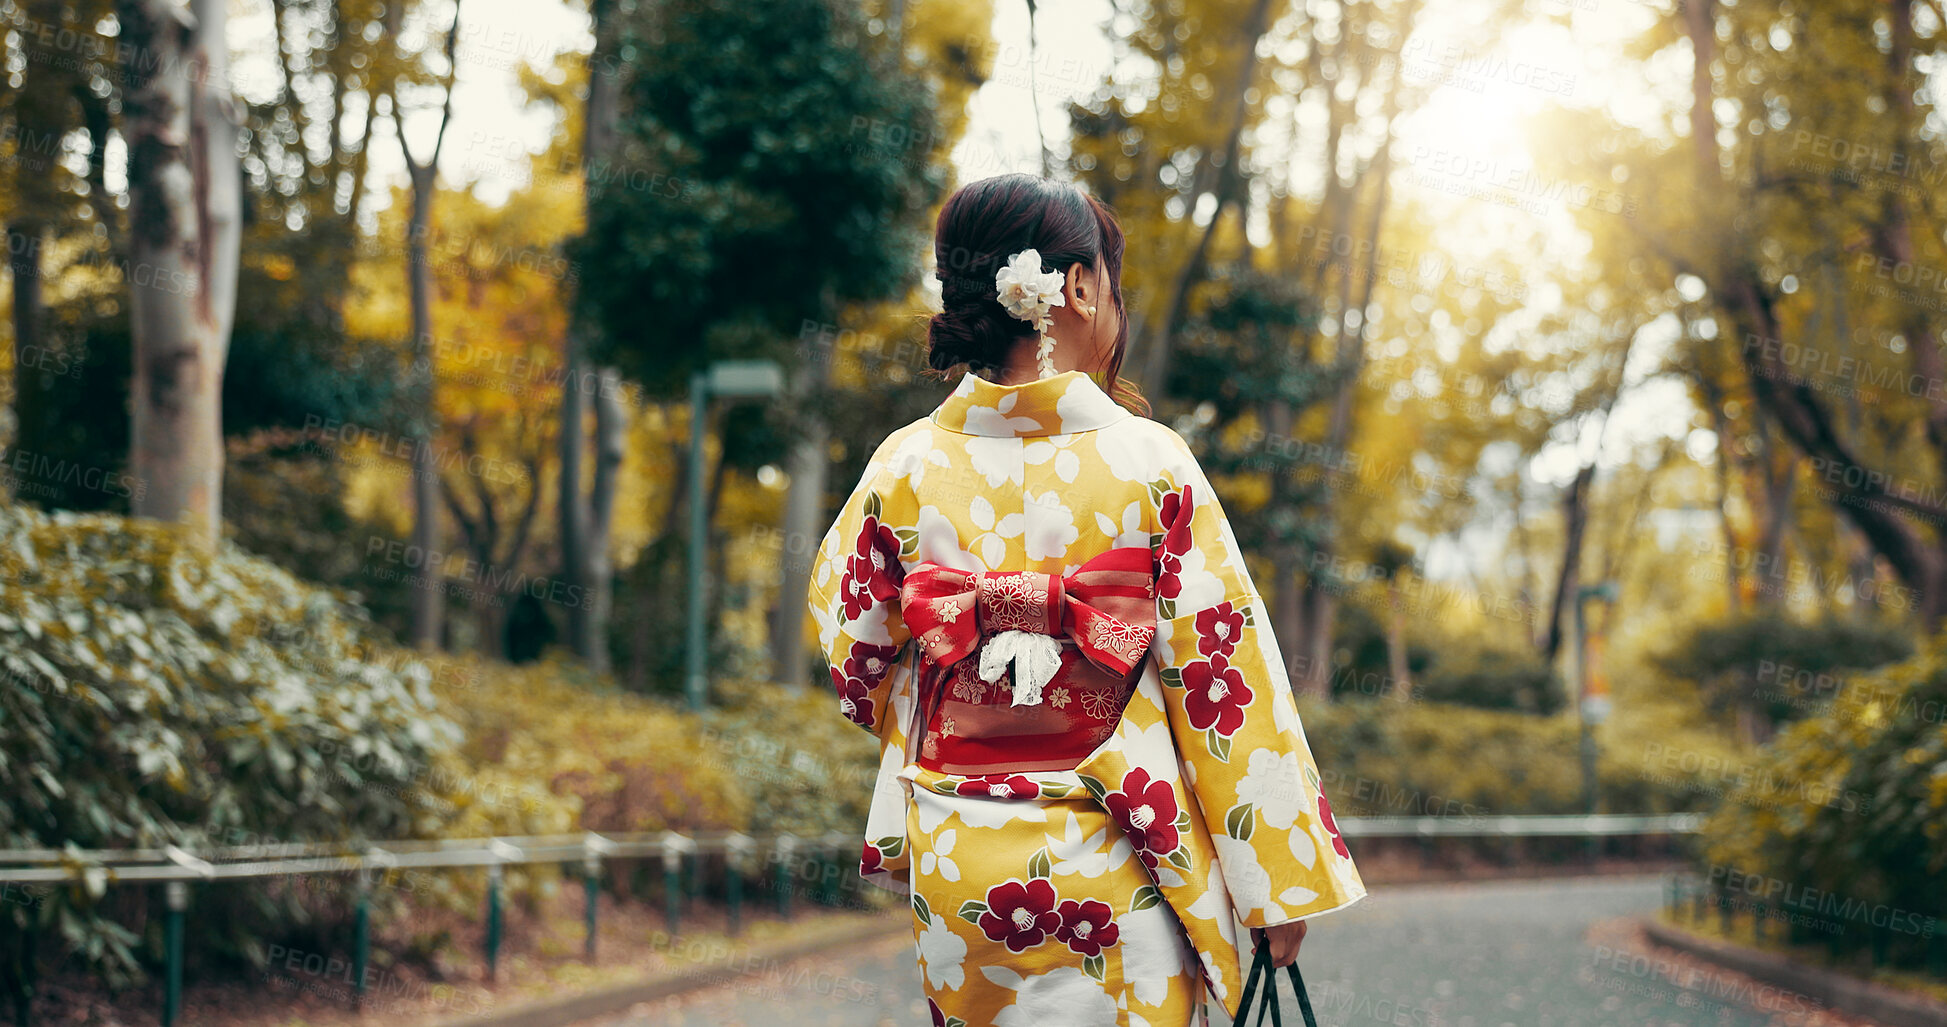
(1268, 1001)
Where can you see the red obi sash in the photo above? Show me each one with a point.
(1105, 616)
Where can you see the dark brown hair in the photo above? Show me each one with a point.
(984, 224)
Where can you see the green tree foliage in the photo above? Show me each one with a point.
(770, 166)
(1848, 810)
(1779, 669)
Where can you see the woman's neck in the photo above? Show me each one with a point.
(1023, 364)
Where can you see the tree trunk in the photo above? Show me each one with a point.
(804, 507)
(585, 519)
(1575, 520)
(570, 441)
(428, 600)
(1721, 425)
(1318, 610)
(1768, 563)
(1287, 557)
(597, 577)
(24, 233)
(1402, 683)
(185, 209)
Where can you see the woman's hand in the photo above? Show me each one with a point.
(1285, 939)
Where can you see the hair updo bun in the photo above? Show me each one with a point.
(972, 328)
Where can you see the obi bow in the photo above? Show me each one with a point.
(1107, 608)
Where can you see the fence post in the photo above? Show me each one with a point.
(785, 846)
(361, 937)
(693, 881)
(494, 875)
(591, 885)
(176, 898)
(736, 853)
(672, 882)
(22, 990)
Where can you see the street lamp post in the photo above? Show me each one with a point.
(1592, 699)
(730, 379)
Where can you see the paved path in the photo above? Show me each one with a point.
(1482, 955)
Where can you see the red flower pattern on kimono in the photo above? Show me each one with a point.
(873, 572)
(1215, 695)
(1087, 927)
(1020, 913)
(1146, 812)
(999, 786)
(1218, 630)
(1332, 827)
(871, 860)
(854, 681)
(854, 698)
(1174, 516)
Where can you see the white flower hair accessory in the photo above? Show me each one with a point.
(1029, 293)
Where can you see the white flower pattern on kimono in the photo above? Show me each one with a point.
(1067, 463)
(1250, 886)
(1054, 527)
(1275, 786)
(1130, 534)
(994, 420)
(1151, 952)
(915, 454)
(1074, 854)
(1084, 403)
(936, 859)
(1064, 995)
(997, 461)
(941, 953)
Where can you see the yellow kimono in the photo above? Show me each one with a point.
(1092, 772)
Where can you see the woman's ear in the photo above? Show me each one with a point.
(1080, 291)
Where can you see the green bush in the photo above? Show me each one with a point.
(1843, 817)
(1433, 759)
(160, 691)
(1490, 677)
(1773, 669)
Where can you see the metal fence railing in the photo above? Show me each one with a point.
(1789, 917)
(743, 857)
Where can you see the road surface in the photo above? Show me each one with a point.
(1478, 955)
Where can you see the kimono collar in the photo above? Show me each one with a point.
(1057, 405)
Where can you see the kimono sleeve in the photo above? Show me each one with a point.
(855, 599)
(1232, 716)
